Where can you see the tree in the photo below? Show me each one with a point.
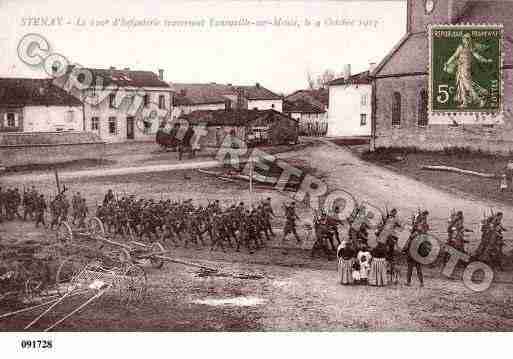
(324, 79)
(310, 80)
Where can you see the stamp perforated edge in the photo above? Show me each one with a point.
(430, 72)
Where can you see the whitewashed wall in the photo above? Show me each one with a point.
(266, 105)
(52, 118)
(345, 110)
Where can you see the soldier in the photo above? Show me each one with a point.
(75, 204)
(420, 228)
(268, 213)
(2, 205)
(28, 205)
(387, 235)
(290, 223)
(16, 201)
(40, 209)
(109, 197)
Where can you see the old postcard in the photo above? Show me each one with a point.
(254, 166)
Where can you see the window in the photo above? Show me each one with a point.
(363, 119)
(272, 106)
(69, 116)
(422, 109)
(396, 109)
(162, 102)
(112, 126)
(95, 123)
(11, 120)
(363, 100)
(146, 100)
(147, 127)
(112, 100)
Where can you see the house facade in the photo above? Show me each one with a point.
(400, 89)
(121, 105)
(36, 105)
(350, 109)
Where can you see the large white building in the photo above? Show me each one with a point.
(37, 105)
(121, 105)
(350, 109)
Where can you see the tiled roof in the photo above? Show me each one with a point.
(121, 78)
(211, 93)
(316, 97)
(196, 94)
(36, 92)
(363, 78)
(258, 92)
(233, 117)
(300, 106)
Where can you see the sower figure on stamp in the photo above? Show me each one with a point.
(466, 94)
(412, 250)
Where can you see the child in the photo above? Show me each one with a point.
(364, 258)
(356, 272)
(504, 183)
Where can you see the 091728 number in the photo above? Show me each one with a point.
(36, 344)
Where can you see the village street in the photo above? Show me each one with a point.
(294, 291)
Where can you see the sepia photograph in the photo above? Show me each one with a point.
(230, 167)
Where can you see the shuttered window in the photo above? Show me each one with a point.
(422, 109)
(396, 109)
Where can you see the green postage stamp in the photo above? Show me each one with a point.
(465, 69)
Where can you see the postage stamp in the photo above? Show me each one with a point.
(465, 69)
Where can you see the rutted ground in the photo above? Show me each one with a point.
(296, 292)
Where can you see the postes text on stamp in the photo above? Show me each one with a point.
(465, 68)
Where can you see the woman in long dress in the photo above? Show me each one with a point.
(378, 268)
(346, 257)
(462, 58)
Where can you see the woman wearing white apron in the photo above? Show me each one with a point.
(378, 268)
(346, 258)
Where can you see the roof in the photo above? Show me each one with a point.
(363, 78)
(234, 117)
(212, 93)
(196, 94)
(258, 92)
(34, 92)
(317, 97)
(300, 106)
(120, 78)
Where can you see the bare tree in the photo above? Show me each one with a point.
(310, 79)
(324, 78)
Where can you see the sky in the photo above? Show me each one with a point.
(207, 41)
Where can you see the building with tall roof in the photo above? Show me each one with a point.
(400, 88)
(120, 104)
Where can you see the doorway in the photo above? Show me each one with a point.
(130, 124)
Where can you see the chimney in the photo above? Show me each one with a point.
(347, 71)
(257, 85)
(372, 66)
(112, 68)
(161, 74)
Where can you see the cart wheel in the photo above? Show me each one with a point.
(64, 233)
(96, 227)
(157, 262)
(67, 273)
(134, 288)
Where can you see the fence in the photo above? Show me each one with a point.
(313, 128)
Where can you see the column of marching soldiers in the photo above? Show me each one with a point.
(235, 226)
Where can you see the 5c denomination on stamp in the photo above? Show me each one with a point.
(465, 68)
